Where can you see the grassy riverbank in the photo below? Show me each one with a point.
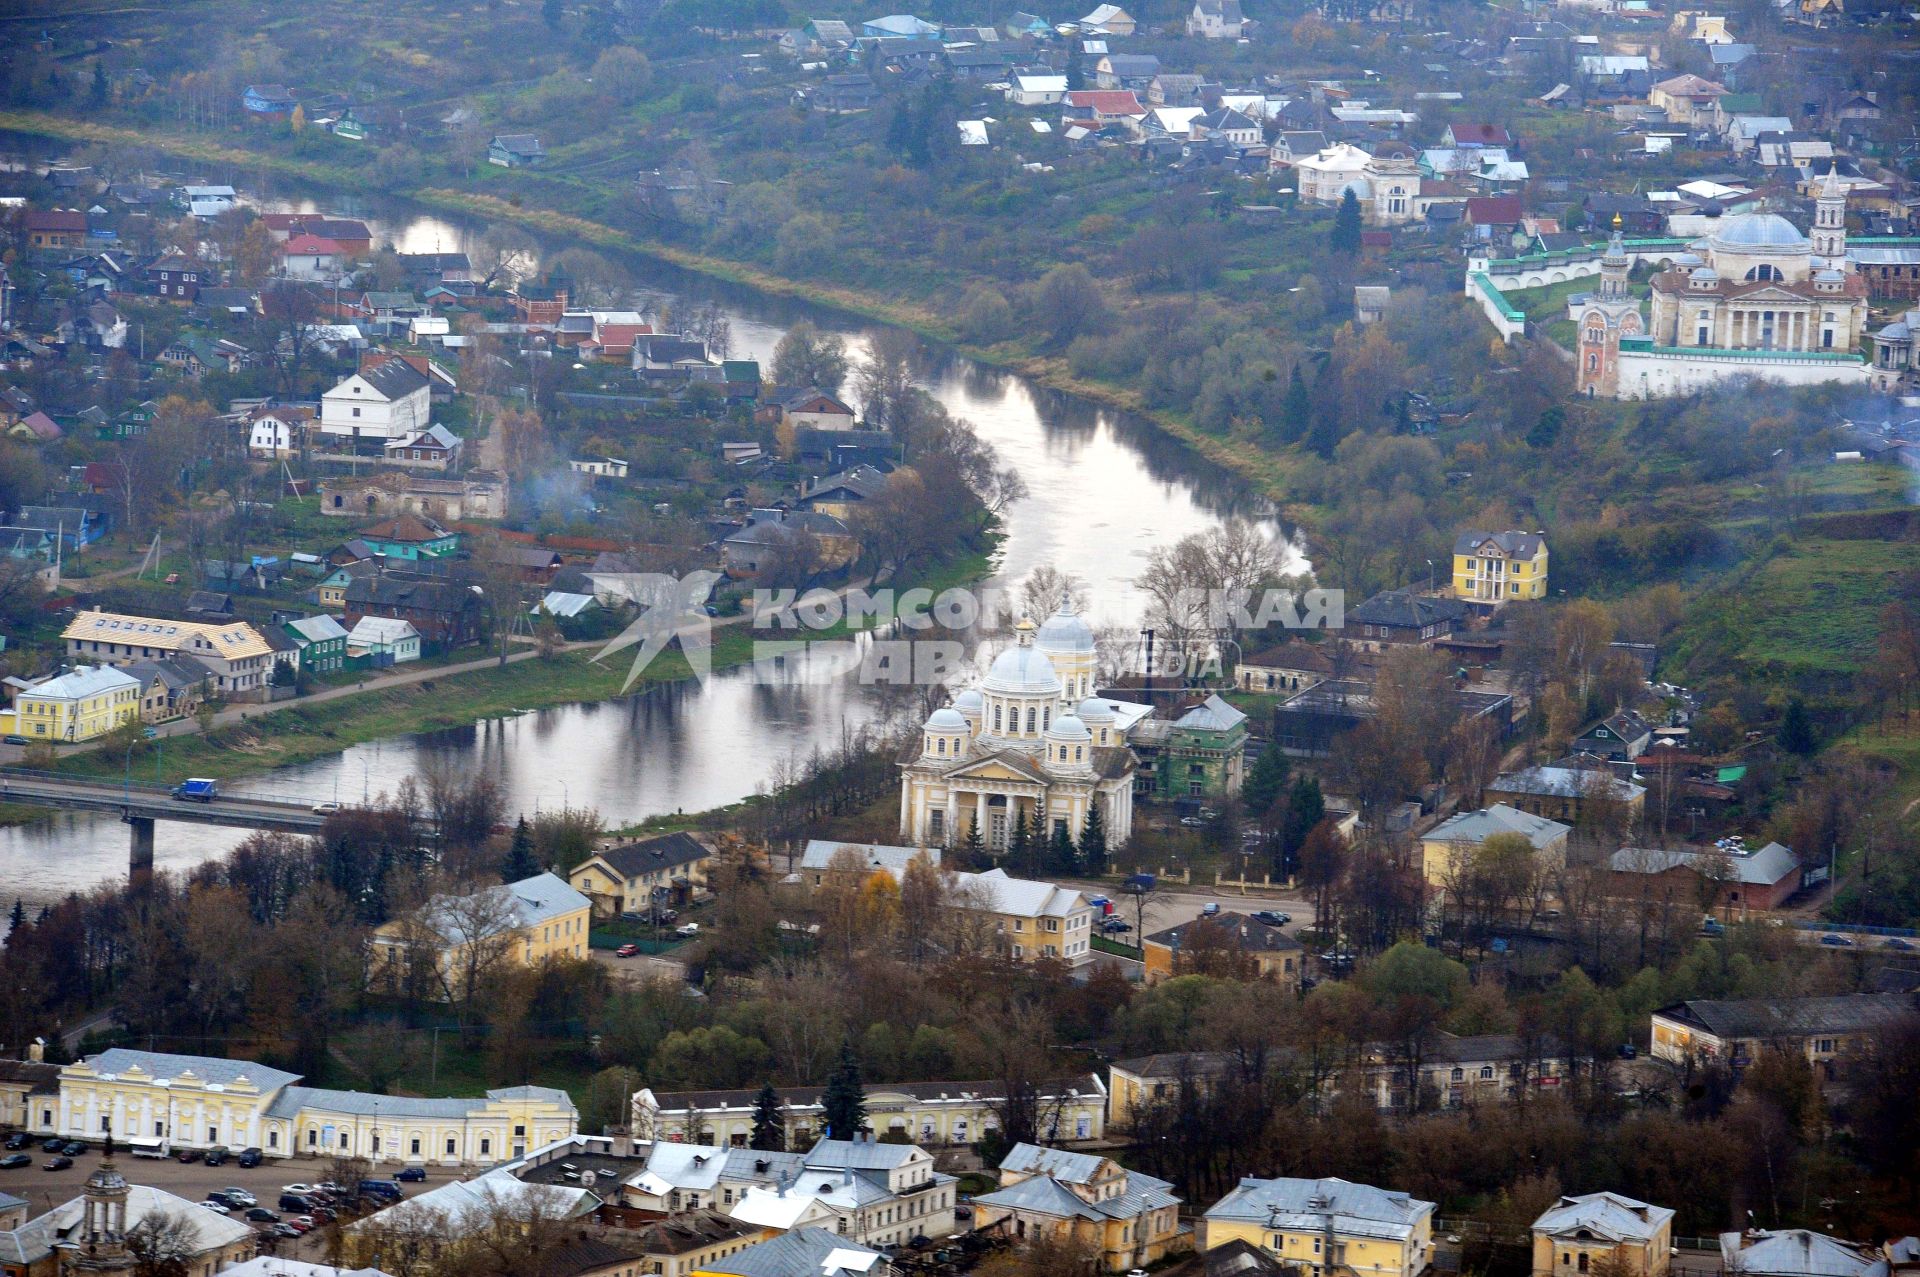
(300, 732)
(1271, 471)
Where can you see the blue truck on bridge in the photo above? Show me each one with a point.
(195, 790)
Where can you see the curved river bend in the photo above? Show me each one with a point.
(1104, 490)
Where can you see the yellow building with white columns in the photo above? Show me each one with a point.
(1323, 1225)
(1500, 567)
(197, 1102)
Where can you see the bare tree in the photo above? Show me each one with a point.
(162, 1245)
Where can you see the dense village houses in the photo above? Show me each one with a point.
(444, 614)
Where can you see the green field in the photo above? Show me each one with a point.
(1811, 608)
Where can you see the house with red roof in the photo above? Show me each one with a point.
(308, 256)
(1103, 106)
(1460, 136)
(1494, 214)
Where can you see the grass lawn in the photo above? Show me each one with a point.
(1547, 306)
(1813, 606)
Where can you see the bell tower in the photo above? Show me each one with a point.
(1830, 223)
(100, 1242)
(1609, 314)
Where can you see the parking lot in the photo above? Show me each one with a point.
(44, 1189)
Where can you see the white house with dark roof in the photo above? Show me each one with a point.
(391, 401)
(1216, 20)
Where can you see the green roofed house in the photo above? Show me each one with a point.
(323, 643)
(741, 378)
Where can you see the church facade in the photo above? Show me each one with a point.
(1031, 738)
(1754, 299)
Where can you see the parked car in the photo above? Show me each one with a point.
(18, 1140)
(53, 1144)
(1192, 822)
(298, 1225)
(11, 739)
(1114, 926)
(687, 929)
(284, 1230)
(295, 1202)
(250, 1158)
(1273, 918)
(14, 1161)
(325, 809)
(74, 1148)
(261, 1215)
(1904, 946)
(218, 1154)
(412, 1175)
(1837, 942)
(324, 1215)
(188, 1155)
(238, 1197)
(215, 1207)
(1628, 1051)
(58, 1163)
(298, 1188)
(627, 951)
(1211, 909)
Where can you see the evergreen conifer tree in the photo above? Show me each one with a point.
(1796, 729)
(520, 863)
(769, 1123)
(1296, 410)
(1346, 226)
(974, 847)
(845, 1101)
(1017, 844)
(1093, 841)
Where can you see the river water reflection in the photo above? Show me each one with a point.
(1104, 490)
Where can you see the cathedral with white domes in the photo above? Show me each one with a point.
(1756, 298)
(1031, 737)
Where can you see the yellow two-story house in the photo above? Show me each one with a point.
(1035, 919)
(633, 876)
(1322, 1226)
(1500, 567)
(84, 703)
(1130, 1219)
(1575, 1233)
(525, 922)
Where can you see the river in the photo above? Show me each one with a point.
(1104, 489)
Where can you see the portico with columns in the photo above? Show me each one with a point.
(1031, 737)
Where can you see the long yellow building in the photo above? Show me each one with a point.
(1320, 1225)
(153, 1099)
(1500, 567)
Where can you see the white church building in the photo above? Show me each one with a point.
(1031, 737)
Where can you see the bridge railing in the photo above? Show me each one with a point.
(138, 787)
